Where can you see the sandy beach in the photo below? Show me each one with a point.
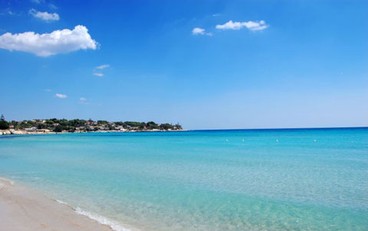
(24, 209)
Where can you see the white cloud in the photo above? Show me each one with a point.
(98, 74)
(250, 25)
(101, 67)
(61, 96)
(56, 42)
(200, 31)
(82, 100)
(98, 71)
(45, 16)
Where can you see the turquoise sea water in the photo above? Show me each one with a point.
(307, 179)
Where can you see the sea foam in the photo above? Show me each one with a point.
(102, 220)
(62, 202)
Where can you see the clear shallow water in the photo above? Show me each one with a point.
(203, 180)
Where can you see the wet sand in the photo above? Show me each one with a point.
(24, 209)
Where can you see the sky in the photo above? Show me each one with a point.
(206, 64)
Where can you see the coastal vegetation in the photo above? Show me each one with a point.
(81, 125)
(3, 123)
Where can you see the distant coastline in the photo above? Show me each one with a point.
(55, 126)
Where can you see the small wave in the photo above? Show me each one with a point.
(102, 220)
(7, 181)
(62, 202)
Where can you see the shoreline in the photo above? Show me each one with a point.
(26, 209)
(22, 132)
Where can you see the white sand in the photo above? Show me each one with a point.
(24, 209)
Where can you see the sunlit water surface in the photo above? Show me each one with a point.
(311, 179)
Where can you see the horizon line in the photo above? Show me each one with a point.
(279, 128)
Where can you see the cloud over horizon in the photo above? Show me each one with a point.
(98, 71)
(200, 31)
(250, 25)
(45, 16)
(98, 74)
(44, 45)
(104, 66)
(60, 96)
(83, 100)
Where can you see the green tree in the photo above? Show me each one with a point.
(41, 126)
(135, 124)
(3, 123)
(178, 126)
(152, 125)
(58, 128)
(166, 126)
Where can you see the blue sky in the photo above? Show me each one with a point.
(204, 64)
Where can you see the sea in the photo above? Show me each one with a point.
(281, 179)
